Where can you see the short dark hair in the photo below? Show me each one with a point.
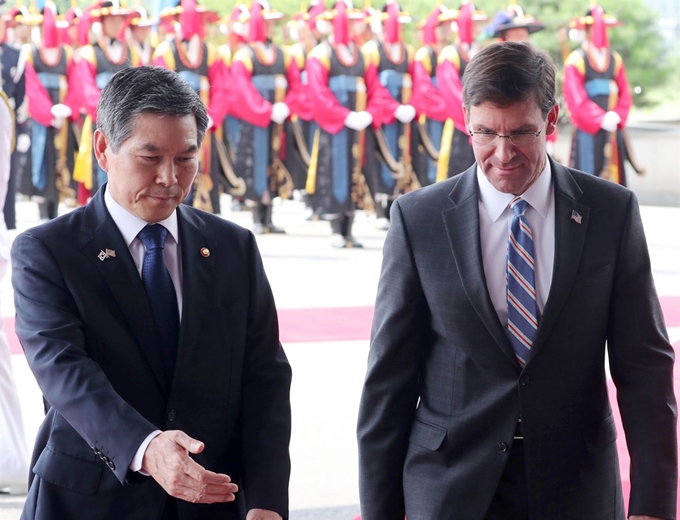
(505, 73)
(136, 90)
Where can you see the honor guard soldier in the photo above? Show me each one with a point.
(13, 84)
(140, 33)
(95, 64)
(311, 29)
(389, 72)
(426, 98)
(199, 64)
(266, 80)
(50, 82)
(598, 98)
(455, 153)
(68, 27)
(337, 93)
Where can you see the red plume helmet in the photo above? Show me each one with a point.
(256, 32)
(465, 30)
(341, 24)
(191, 20)
(599, 29)
(50, 35)
(392, 27)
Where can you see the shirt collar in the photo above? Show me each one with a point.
(130, 225)
(537, 195)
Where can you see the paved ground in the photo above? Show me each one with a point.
(306, 273)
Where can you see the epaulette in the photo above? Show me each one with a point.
(225, 54)
(423, 56)
(449, 53)
(212, 53)
(410, 52)
(321, 52)
(577, 60)
(298, 54)
(135, 57)
(244, 55)
(165, 51)
(86, 52)
(371, 53)
(287, 56)
(68, 50)
(29, 49)
(618, 62)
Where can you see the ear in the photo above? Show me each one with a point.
(100, 144)
(466, 117)
(551, 125)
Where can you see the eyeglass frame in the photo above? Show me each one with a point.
(508, 137)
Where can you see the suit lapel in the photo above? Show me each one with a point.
(570, 237)
(462, 228)
(99, 233)
(198, 268)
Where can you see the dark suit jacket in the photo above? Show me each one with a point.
(86, 327)
(443, 390)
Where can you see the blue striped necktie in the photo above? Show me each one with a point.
(521, 285)
(161, 294)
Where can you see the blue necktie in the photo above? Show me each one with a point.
(521, 285)
(161, 294)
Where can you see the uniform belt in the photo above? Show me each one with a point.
(519, 435)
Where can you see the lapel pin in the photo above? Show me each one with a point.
(205, 252)
(576, 217)
(104, 254)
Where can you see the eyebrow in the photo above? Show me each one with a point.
(523, 128)
(150, 147)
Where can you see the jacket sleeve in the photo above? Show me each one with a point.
(329, 114)
(266, 422)
(390, 394)
(426, 99)
(51, 332)
(451, 87)
(39, 102)
(249, 105)
(641, 361)
(585, 114)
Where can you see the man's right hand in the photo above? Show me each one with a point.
(167, 460)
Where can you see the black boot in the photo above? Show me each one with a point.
(258, 219)
(348, 222)
(268, 224)
(337, 238)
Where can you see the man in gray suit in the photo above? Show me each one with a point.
(486, 398)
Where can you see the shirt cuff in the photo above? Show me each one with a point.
(136, 464)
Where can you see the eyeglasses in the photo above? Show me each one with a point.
(486, 138)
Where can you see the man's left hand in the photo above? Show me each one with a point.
(263, 514)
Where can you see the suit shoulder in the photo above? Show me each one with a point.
(599, 190)
(430, 198)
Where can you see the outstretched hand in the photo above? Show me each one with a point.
(167, 460)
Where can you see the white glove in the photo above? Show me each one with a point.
(23, 143)
(358, 120)
(280, 112)
(60, 111)
(57, 122)
(610, 121)
(405, 113)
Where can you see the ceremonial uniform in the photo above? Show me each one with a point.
(389, 85)
(590, 92)
(427, 99)
(13, 84)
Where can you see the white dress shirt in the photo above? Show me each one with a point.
(495, 217)
(130, 226)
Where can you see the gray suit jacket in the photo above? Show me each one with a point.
(443, 389)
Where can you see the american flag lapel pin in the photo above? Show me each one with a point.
(104, 254)
(576, 216)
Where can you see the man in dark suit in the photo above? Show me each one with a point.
(166, 385)
(487, 399)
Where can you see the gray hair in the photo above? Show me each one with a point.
(505, 73)
(136, 90)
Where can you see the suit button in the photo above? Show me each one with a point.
(502, 447)
(96, 451)
(171, 415)
(111, 465)
(524, 380)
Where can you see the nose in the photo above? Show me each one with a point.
(167, 175)
(505, 150)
